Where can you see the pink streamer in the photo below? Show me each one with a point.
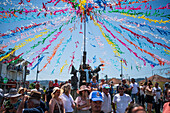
(123, 43)
(129, 8)
(166, 7)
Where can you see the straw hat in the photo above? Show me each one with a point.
(55, 89)
(83, 88)
(12, 93)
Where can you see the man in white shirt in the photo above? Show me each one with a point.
(157, 96)
(134, 87)
(121, 100)
(106, 104)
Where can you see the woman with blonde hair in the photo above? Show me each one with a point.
(67, 98)
(82, 101)
(56, 104)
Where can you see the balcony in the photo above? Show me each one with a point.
(12, 68)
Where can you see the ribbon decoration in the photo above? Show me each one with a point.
(45, 48)
(54, 52)
(61, 69)
(39, 60)
(140, 36)
(71, 61)
(102, 62)
(152, 64)
(13, 58)
(62, 50)
(77, 42)
(166, 7)
(138, 66)
(24, 43)
(119, 41)
(94, 59)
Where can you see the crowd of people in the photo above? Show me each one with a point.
(92, 97)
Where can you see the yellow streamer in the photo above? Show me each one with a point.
(23, 44)
(108, 41)
(150, 20)
(167, 51)
(61, 69)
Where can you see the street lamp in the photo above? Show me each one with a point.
(38, 65)
(121, 59)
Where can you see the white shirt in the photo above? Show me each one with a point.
(135, 87)
(158, 92)
(121, 102)
(67, 101)
(106, 104)
(141, 90)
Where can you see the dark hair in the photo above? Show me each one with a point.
(80, 93)
(132, 106)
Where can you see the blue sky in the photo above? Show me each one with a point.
(97, 46)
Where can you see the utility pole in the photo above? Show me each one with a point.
(121, 60)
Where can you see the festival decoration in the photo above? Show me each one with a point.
(136, 27)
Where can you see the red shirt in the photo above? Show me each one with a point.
(56, 85)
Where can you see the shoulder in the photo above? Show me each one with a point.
(126, 95)
(117, 95)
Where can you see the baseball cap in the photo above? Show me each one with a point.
(106, 86)
(96, 96)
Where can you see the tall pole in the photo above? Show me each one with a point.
(121, 75)
(84, 52)
(37, 70)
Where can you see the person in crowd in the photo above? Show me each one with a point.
(56, 105)
(126, 87)
(37, 87)
(87, 71)
(61, 84)
(101, 84)
(82, 101)
(117, 88)
(149, 97)
(141, 96)
(166, 107)
(94, 83)
(33, 103)
(48, 92)
(136, 108)
(164, 92)
(96, 101)
(121, 100)
(74, 84)
(21, 91)
(106, 104)
(12, 103)
(134, 87)
(157, 91)
(56, 83)
(111, 90)
(67, 98)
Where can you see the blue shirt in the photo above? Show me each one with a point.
(33, 110)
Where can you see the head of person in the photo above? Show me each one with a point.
(102, 81)
(13, 95)
(94, 78)
(50, 84)
(121, 90)
(133, 80)
(34, 99)
(123, 81)
(168, 93)
(66, 88)
(105, 88)
(83, 82)
(156, 84)
(136, 108)
(96, 101)
(21, 90)
(56, 92)
(37, 85)
(56, 80)
(69, 81)
(83, 90)
(141, 83)
(150, 84)
(166, 85)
